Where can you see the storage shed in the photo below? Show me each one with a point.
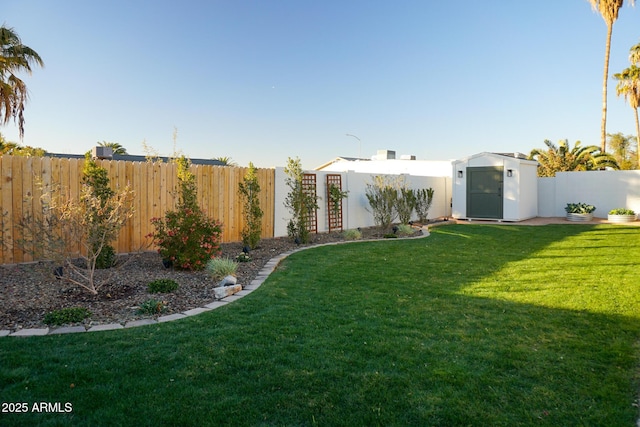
(496, 186)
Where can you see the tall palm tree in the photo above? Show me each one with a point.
(117, 148)
(608, 9)
(14, 57)
(629, 87)
(560, 158)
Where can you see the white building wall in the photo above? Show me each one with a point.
(605, 190)
(393, 167)
(355, 206)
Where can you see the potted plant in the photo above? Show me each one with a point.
(621, 215)
(579, 211)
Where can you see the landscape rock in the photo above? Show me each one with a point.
(225, 291)
(227, 281)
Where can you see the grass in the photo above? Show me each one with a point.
(474, 325)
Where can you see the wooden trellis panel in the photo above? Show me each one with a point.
(334, 211)
(309, 187)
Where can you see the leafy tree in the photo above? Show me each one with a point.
(14, 58)
(249, 190)
(301, 204)
(622, 149)
(117, 148)
(609, 10)
(561, 158)
(15, 149)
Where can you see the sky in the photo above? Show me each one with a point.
(265, 80)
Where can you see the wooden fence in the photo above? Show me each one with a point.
(154, 189)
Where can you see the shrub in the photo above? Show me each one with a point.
(579, 208)
(162, 286)
(186, 236)
(300, 202)
(352, 234)
(424, 199)
(249, 190)
(405, 230)
(243, 257)
(382, 195)
(621, 211)
(66, 315)
(106, 258)
(221, 267)
(405, 204)
(152, 307)
(335, 198)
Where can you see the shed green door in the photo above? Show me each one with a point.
(484, 192)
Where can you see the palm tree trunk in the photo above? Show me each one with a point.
(635, 111)
(603, 126)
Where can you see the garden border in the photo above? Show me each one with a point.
(262, 275)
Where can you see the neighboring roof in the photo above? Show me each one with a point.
(134, 158)
(340, 159)
(518, 156)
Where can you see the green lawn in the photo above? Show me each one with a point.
(474, 325)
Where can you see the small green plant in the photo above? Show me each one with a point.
(187, 236)
(405, 230)
(390, 236)
(243, 257)
(221, 267)
(621, 211)
(335, 198)
(66, 315)
(579, 208)
(424, 199)
(249, 190)
(152, 307)
(162, 286)
(352, 234)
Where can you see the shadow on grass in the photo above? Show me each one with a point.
(415, 332)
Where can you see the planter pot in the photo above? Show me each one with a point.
(578, 217)
(621, 218)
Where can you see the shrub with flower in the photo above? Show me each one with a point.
(187, 237)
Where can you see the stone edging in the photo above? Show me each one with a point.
(262, 275)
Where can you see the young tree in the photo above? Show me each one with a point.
(624, 150)
(302, 204)
(15, 57)
(249, 190)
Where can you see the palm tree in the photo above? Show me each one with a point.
(15, 57)
(117, 148)
(609, 10)
(559, 158)
(226, 161)
(629, 87)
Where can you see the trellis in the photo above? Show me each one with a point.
(309, 188)
(334, 207)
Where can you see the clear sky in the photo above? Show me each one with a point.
(265, 80)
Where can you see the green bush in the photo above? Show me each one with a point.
(382, 195)
(579, 208)
(221, 267)
(152, 307)
(405, 230)
(106, 258)
(302, 203)
(162, 286)
(187, 237)
(405, 204)
(621, 211)
(66, 315)
(424, 199)
(352, 234)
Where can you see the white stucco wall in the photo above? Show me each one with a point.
(393, 167)
(605, 190)
(355, 213)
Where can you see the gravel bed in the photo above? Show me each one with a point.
(29, 291)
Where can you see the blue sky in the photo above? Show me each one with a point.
(265, 80)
